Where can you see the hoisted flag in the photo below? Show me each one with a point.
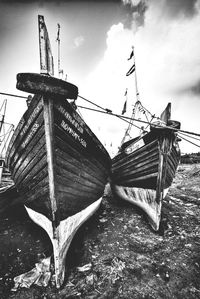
(131, 55)
(124, 108)
(125, 103)
(131, 70)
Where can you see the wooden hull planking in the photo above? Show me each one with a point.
(144, 175)
(60, 170)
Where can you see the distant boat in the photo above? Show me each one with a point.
(59, 167)
(6, 131)
(145, 166)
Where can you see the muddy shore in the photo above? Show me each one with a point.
(115, 254)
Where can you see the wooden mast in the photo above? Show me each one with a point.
(1, 126)
(60, 71)
(60, 232)
(46, 65)
(137, 99)
(46, 58)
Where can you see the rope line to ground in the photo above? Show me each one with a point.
(189, 141)
(106, 110)
(109, 112)
(12, 95)
(183, 134)
(141, 121)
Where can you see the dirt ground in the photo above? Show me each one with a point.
(115, 254)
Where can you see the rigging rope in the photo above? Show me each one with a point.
(189, 141)
(8, 132)
(189, 136)
(12, 95)
(141, 121)
(109, 112)
(106, 110)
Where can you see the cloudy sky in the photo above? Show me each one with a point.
(96, 40)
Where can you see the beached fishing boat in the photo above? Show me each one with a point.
(144, 167)
(6, 130)
(59, 166)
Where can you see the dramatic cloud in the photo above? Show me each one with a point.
(167, 47)
(135, 13)
(176, 8)
(171, 8)
(166, 9)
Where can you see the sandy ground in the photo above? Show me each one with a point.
(120, 255)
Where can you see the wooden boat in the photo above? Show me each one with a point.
(7, 189)
(59, 167)
(6, 130)
(145, 166)
(144, 169)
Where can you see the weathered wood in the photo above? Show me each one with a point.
(46, 57)
(73, 147)
(166, 114)
(69, 123)
(142, 198)
(28, 156)
(135, 158)
(122, 156)
(58, 165)
(30, 173)
(46, 85)
(149, 169)
(58, 173)
(142, 179)
(138, 167)
(49, 136)
(23, 128)
(34, 146)
(65, 232)
(66, 159)
(66, 168)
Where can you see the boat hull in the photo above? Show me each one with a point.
(80, 163)
(59, 168)
(144, 170)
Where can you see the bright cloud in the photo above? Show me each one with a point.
(168, 66)
(106, 85)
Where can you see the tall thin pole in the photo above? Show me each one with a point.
(46, 57)
(137, 100)
(58, 40)
(3, 115)
(60, 72)
(136, 85)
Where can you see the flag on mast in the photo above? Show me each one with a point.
(132, 54)
(124, 108)
(125, 103)
(46, 57)
(131, 70)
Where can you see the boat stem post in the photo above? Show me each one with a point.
(1, 169)
(64, 235)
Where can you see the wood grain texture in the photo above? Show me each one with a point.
(141, 167)
(61, 159)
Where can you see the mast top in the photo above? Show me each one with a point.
(46, 57)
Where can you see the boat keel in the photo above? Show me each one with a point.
(63, 235)
(143, 198)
